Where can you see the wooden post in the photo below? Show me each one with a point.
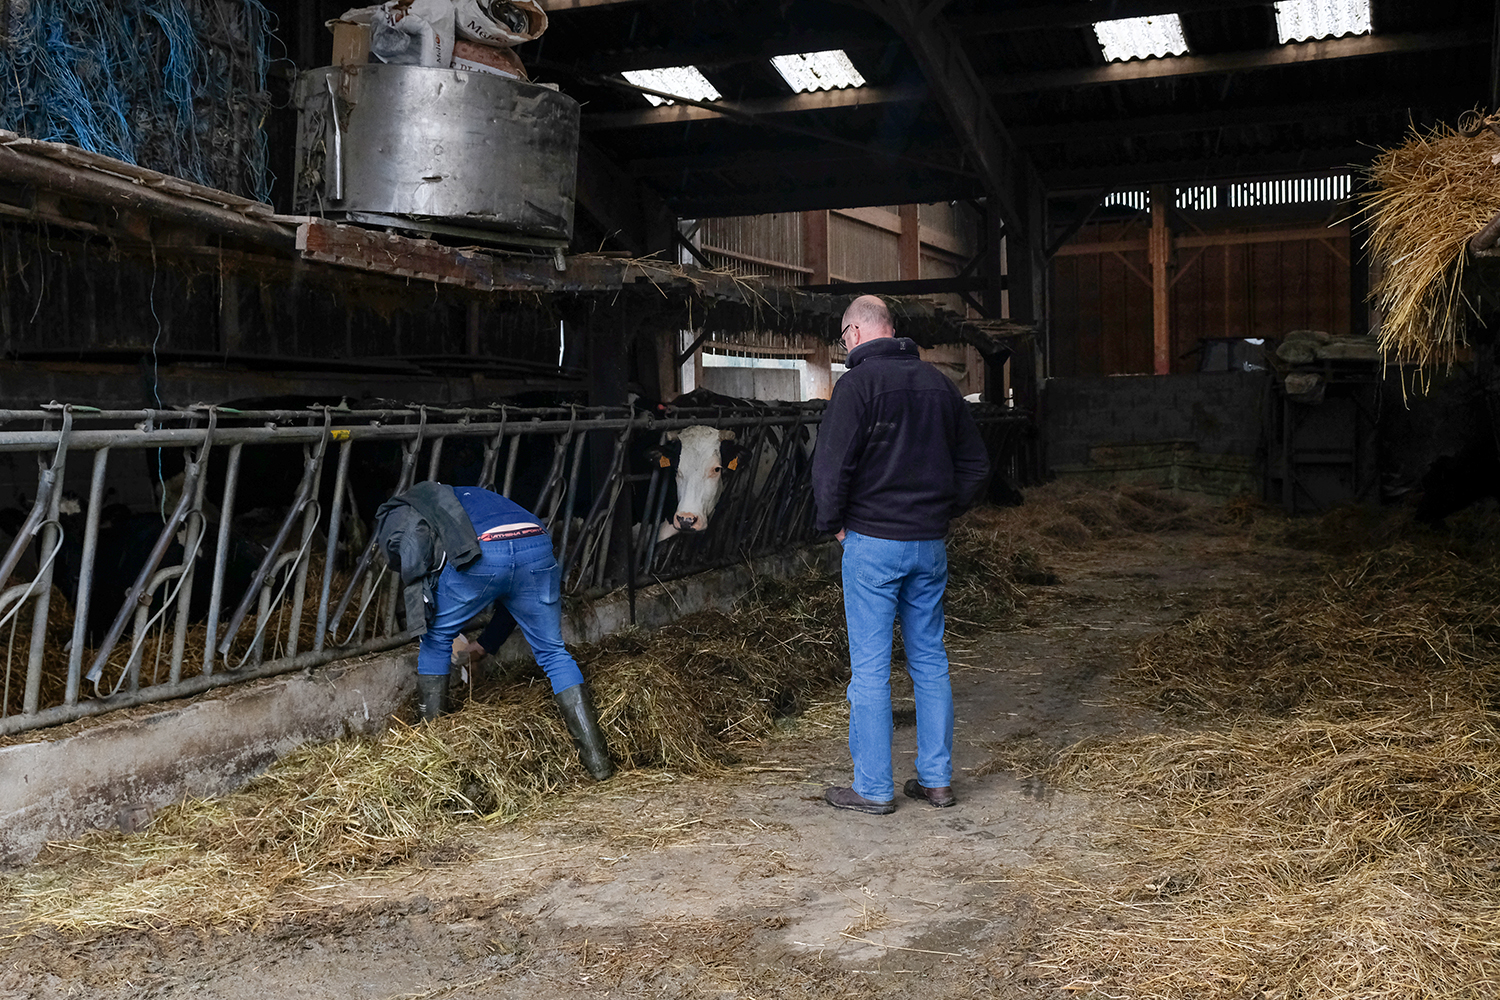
(668, 372)
(820, 371)
(1161, 285)
(909, 245)
(815, 246)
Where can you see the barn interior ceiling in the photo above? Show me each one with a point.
(968, 98)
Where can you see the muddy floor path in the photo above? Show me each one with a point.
(743, 884)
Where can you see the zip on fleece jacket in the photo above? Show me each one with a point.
(898, 453)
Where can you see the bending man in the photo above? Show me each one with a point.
(451, 572)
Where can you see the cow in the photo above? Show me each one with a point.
(706, 459)
(1454, 482)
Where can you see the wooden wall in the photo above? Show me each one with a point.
(1251, 285)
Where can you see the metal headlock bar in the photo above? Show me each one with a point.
(583, 470)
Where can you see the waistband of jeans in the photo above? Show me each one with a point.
(500, 536)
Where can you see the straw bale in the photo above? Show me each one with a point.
(1430, 195)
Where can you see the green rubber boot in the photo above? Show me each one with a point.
(432, 695)
(578, 712)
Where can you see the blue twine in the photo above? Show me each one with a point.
(143, 81)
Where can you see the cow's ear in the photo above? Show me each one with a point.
(659, 457)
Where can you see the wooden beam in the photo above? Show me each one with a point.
(555, 7)
(815, 244)
(939, 53)
(1292, 54)
(681, 114)
(923, 286)
(1161, 286)
(909, 245)
(1199, 121)
(1083, 14)
(1207, 240)
(1223, 169)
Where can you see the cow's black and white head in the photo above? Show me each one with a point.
(703, 458)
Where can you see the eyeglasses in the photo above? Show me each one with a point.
(845, 331)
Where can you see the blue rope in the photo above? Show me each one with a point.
(151, 82)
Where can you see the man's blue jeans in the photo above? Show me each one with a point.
(882, 579)
(521, 572)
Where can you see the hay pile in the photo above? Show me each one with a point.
(1301, 859)
(1431, 195)
(1339, 837)
(679, 698)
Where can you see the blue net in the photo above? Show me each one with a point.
(174, 85)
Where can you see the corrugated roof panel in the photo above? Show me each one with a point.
(1303, 20)
(808, 71)
(1141, 37)
(684, 81)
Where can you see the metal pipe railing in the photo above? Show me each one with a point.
(582, 495)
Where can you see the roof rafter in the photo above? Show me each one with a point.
(1291, 54)
(1078, 15)
(679, 114)
(1147, 69)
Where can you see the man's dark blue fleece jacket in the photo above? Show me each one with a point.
(898, 453)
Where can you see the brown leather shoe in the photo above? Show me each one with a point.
(941, 798)
(848, 798)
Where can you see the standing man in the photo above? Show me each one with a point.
(898, 456)
(451, 570)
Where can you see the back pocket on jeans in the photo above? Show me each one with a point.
(548, 582)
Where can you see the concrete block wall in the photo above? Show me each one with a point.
(1144, 427)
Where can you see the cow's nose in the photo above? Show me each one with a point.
(685, 522)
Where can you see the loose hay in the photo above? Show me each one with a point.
(1293, 859)
(1341, 837)
(1431, 195)
(680, 698)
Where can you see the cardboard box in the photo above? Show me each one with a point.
(351, 43)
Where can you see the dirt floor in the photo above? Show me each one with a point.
(743, 885)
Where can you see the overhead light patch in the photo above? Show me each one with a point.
(809, 71)
(680, 81)
(1304, 20)
(1141, 37)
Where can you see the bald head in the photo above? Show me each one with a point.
(870, 314)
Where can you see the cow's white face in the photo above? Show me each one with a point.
(700, 477)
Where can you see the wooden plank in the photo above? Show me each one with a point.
(815, 245)
(1161, 287)
(909, 245)
(1200, 240)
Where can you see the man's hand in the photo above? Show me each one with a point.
(466, 651)
(840, 536)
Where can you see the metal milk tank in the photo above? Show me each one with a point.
(437, 150)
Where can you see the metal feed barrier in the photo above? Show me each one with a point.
(586, 472)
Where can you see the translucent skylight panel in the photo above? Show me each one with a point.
(1141, 37)
(682, 81)
(1301, 20)
(808, 71)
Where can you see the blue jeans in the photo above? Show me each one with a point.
(525, 576)
(882, 579)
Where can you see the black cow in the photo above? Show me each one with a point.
(124, 546)
(1454, 482)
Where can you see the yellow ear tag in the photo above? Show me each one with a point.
(734, 463)
(664, 462)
